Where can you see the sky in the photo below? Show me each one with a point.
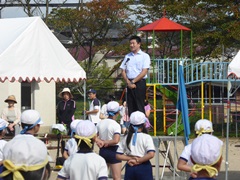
(14, 12)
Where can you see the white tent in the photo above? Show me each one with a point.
(233, 70)
(30, 55)
(234, 66)
(30, 51)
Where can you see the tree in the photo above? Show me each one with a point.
(215, 24)
(95, 27)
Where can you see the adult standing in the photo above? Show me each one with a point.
(134, 72)
(12, 115)
(66, 108)
(95, 106)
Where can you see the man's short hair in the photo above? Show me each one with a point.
(137, 38)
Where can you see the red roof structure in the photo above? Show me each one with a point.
(164, 24)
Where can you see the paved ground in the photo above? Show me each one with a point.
(234, 159)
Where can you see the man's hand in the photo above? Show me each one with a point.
(131, 86)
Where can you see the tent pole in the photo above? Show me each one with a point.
(84, 97)
(227, 131)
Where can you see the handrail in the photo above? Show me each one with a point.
(166, 71)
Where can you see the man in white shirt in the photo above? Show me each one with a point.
(134, 72)
(95, 106)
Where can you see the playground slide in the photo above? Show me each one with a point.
(173, 96)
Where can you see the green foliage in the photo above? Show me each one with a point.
(215, 24)
(99, 79)
(90, 28)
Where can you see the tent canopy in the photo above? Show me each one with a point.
(164, 24)
(234, 66)
(30, 51)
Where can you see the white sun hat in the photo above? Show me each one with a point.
(73, 126)
(58, 128)
(74, 123)
(203, 126)
(112, 108)
(3, 124)
(31, 117)
(85, 131)
(86, 128)
(206, 151)
(65, 90)
(137, 118)
(24, 152)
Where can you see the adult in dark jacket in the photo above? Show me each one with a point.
(66, 108)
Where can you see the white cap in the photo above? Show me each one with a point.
(86, 128)
(137, 118)
(24, 150)
(31, 117)
(206, 151)
(3, 124)
(113, 106)
(203, 126)
(74, 123)
(85, 131)
(59, 127)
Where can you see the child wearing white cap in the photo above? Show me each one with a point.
(25, 157)
(109, 134)
(206, 155)
(137, 149)
(202, 126)
(30, 121)
(85, 164)
(71, 145)
(3, 130)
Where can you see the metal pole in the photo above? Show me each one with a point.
(155, 107)
(85, 99)
(202, 99)
(227, 132)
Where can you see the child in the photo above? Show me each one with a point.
(137, 149)
(202, 126)
(124, 121)
(30, 121)
(85, 164)
(109, 134)
(71, 145)
(147, 109)
(206, 155)
(3, 130)
(25, 157)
